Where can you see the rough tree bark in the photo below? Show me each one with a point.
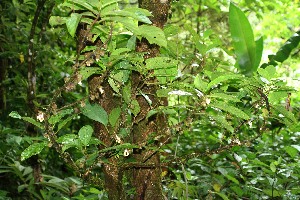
(143, 176)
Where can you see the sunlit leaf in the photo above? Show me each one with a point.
(243, 40)
(135, 107)
(33, 149)
(85, 134)
(33, 121)
(231, 109)
(95, 112)
(223, 78)
(72, 23)
(153, 34)
(15, 114)
(57, 20)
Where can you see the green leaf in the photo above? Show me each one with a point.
(33, 149)
(284, 52)
(33, 121)
(230, 109)
(57, 117)
(114, 116)
(231, 178)
(153, 34)
(163, 92)
(259, 44)
(199, 83)
(127, 93)
(128, 23)
(15, 114)
(87, 5)
(225, 97)
(135, 107)
(57, 20)
(243, 40)
(165, 69)
(222, 122)
(268, 72)
(274, 193)
(293, 152)
(223, 78)
(114, 85)
(85, 134)
(68, 141)
(72, 23)
(131, 43)
(273, 167)
(95, 112)
(222, 195)
(88, 71)
(135, 13)
(64, 122)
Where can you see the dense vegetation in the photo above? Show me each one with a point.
(111, 99)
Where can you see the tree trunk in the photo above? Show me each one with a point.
(141, 179)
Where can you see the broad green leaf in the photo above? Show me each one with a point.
(119, 51)
(165, 69)
(33, 121)
(95, 112)
(222, 195)
(114, 116)
(163, 92)
(230, 109)
(108, 6)
(231, 178)
(268, 72)
(274, 193)
(15, 114)
(131, 43)
(58, 116)
(135, 107)
(129, 24)
(239, 191)
(151, 113)
(283, 113)
(88, 71)
(296, 147)
(199, 83)
(293, 152)
(135, 13)
(223, 78)
(57, 20)
(89, 5)
(114, 85)
(68, 141)
(222, 122)
(64, 122)
(33, 149)
(72, 23)
(85, 134)
(243, 40)
(127, 93)
(153, 34)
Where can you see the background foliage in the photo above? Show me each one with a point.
(234, 127)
